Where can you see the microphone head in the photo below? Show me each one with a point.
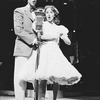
(39, 18)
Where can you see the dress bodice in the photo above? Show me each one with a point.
(52, 30)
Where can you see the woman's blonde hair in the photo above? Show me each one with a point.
(56, 13)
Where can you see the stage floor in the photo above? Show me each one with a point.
(73, 98)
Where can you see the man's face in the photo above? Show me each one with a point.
(32, 2)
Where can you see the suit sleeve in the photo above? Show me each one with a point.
(27, 36)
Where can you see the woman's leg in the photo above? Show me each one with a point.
(55, 90)
(42, 89)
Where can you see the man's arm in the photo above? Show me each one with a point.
(27, 36)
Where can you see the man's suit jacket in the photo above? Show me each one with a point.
(23, 29)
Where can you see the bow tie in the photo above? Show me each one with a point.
(32, 9)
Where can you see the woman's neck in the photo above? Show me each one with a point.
(51, 22)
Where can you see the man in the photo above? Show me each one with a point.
(24, 43)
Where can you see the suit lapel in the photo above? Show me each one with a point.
(28, 13)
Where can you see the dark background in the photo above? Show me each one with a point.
(83, 16)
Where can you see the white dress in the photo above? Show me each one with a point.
(53, 65)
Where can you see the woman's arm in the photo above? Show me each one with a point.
(64, 34)
(66, 39)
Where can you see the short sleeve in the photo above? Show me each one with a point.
(64, 35)
(63, 31)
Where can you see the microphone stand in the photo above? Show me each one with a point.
(37, 63)
(39, 21)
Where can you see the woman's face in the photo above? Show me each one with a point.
(49, 14)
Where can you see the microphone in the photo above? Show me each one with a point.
(39, 20)
(39, 23)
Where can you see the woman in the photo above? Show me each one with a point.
(54, 68)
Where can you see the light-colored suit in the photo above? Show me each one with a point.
(23, 46)
(23, 29)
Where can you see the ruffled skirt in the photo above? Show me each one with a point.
(54, 66)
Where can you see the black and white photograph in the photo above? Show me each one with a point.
(50, 50)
